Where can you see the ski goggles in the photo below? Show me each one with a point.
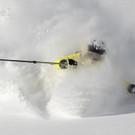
(93, 55)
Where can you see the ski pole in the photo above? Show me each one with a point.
(34, 62)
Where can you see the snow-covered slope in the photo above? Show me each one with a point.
(117, 124)
(31, 96)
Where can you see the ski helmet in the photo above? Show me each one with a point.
(97, 46)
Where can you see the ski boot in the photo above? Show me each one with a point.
(131, 88)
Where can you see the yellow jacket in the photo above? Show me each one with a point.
(75, 57)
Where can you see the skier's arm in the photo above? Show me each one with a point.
(66, 63)
(70, 61)
(130, 87)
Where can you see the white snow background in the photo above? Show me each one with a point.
(39, 99)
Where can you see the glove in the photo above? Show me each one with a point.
(63, 64)
(70, 63)
(131, 88)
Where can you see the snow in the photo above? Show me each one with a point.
(117, 124)
(39, 99)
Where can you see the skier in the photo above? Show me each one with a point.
(93, 54)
